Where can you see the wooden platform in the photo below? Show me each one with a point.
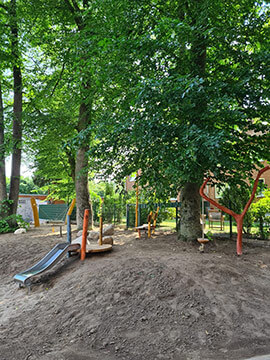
(93, 248)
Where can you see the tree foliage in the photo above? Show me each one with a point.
(261, 212)
(194, 93)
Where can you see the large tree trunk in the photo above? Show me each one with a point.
(81, 166)
(17, 113)
(81, 172)
(189, 226)
(3, 187)
(81, 185)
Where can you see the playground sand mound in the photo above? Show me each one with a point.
(147, 299)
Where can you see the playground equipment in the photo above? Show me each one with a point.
(67, 220)
(92, 248)
(216, 217)
(58, 252)
(50, 259)
(72, 205)
(239, 218)
(202, 240)
(137, 201)
(35, 211)
(149, 228)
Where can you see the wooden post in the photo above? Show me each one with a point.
(68, 232)
(155, 220)
(73, 202)
(137, 200)
(100, 223)
(35, 211)
(68, 229)
(84, 234)
(149, 223)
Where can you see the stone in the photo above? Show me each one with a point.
(20, 231)
(78, 240)
(108, 230)
(107, 240)
(93, 235)
(79, 233)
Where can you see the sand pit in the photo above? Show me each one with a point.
(147, 299)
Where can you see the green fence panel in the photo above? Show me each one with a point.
(56, 212)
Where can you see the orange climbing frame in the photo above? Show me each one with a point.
(239, 218)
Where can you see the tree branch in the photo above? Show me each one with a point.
(75, 10)
(76, 7)
(59, 79)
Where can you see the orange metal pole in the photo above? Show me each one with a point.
(84, 234)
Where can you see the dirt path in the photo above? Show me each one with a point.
(147, 299)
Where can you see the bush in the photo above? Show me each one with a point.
(261, 212)
(113, 206)
(10, 223)
(163, 214)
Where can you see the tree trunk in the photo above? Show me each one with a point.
(81, 172)
(3, 185)
(17, 113)
(81, 185)
(190, 228)
(81, 166)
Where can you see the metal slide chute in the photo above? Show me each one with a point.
(53, 256)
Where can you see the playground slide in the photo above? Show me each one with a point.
(46, 263)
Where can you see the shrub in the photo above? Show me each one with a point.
(9, 223)
(164, 214)
(261, 212)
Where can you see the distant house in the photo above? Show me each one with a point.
(212, 191)
(24, 205)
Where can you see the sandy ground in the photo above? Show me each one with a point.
(147, 299)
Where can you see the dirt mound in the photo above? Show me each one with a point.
(147, 299)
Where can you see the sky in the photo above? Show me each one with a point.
(25, 169)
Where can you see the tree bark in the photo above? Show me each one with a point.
(81, 162)
(81, 185)
(17, 112)
(81, 172)
(3, 185)
(189, 226)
